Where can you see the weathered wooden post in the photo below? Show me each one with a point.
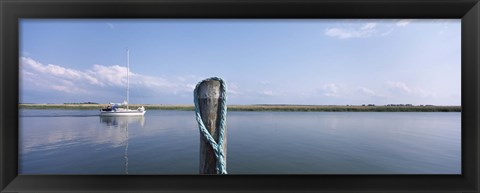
(210, 104)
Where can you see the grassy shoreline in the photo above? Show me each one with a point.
(293, 108)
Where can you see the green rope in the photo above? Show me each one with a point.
(217, 146)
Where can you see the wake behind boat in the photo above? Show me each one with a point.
(116, 109)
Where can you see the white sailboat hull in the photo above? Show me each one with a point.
(122, 113)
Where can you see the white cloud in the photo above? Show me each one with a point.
(366, 30)
(330, 90)
(233, 89)
(68, 89)
(266, 93)
(366, 91)
(57, 71)
(265, 82)
(399, 86)
(345, 34)
(369, 29)
(402, 88)
(110, 25)
(369, 26)
(67, 80)
(109, 75)
(403, 22)
(389, 31)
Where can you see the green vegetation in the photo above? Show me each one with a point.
(349, 108)
(59, 106)
(292, 108)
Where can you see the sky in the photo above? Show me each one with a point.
(307, 62)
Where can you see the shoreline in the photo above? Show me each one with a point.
(287, 108)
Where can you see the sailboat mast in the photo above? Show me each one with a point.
(128, 77)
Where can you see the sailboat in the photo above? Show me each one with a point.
(122, 109)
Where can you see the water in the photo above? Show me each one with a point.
(167, 142)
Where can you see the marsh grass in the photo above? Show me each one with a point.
(292, 108)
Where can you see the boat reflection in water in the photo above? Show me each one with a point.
(122, 123)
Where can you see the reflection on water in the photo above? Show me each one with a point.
(167, 142)
(126, 149)
(122, 123)
(52, 132)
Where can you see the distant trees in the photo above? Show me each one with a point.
(393, 105)
(408, 105)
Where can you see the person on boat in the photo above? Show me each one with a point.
(114, 107)
(107, 108)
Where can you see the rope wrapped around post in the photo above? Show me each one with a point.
(216, 146)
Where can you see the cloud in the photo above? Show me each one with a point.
(110, 25)
(368, 26)
(266, 93)
(366, 30)
(68, 89)
(403, 22)
(233, 89)
(385, 33)
(369, 29)
(330, 90)
(54, 77)
(98, 77)
(112, 135)
(366, 91)
(397, 87)
(265, 82)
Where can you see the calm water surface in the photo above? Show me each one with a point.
(167, 142)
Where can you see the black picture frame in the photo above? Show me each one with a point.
(12, 10)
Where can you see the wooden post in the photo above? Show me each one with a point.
(209, 102)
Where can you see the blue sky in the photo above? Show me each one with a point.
(316, 61)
